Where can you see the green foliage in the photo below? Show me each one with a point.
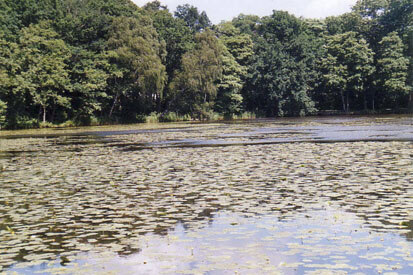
(392, 70)
(151, 118)
(155, 117)
(335, 84)
(23, 122)
(279, 83)
(194, 87)
(194, 20)
(348, 22)
(136, 53)
(9, 21)
(237, 55)
(173, 117)
(173, 32)
(347, 66)
(410, 70)
(10, 90)
(398, 16)
(3, 109)
(68, 124)
(87, 22)
(89, 79)
(229, 99)
(44, 125)
(176, 36)
(247, 24)
(92, 62)
(282, 68)
(370, 8)
(240, 45)
(33, 11)
(43, 61)
(245, 115)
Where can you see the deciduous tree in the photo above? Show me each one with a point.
(195, 20)
(43, 65)
(392, 70)
(195, 86)
(138, 54)
(348, 64)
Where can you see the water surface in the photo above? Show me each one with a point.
(266, 196)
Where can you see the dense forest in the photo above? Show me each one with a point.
(83, 62)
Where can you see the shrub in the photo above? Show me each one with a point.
(3, 109)
(68, 124)
(213, 116)
(173, 117)
(152, 118)
(140, 118)
(247, 115)
(22, 122)
(46, 125)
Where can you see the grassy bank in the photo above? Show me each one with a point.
(26, 123)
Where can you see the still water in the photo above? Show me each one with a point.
(285, 196)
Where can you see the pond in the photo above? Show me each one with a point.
(282, 196)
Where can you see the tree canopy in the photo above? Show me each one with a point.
(98, 61)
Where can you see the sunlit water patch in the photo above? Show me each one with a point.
(314, 242)
(82, 203)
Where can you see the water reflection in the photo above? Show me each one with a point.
(83, 197)
(329, 240)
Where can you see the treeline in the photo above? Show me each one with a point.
(97, 61)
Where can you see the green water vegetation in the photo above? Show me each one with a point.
(133, 196)
(85, 62)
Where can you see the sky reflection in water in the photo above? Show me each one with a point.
(316, 241)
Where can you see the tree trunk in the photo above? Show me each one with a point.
(44, 114)
(343, 100)
(40, 113)
(159, 103)
(373, 97)
(411, 69)
(114, 104)
(347, 103)
(53, 113)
